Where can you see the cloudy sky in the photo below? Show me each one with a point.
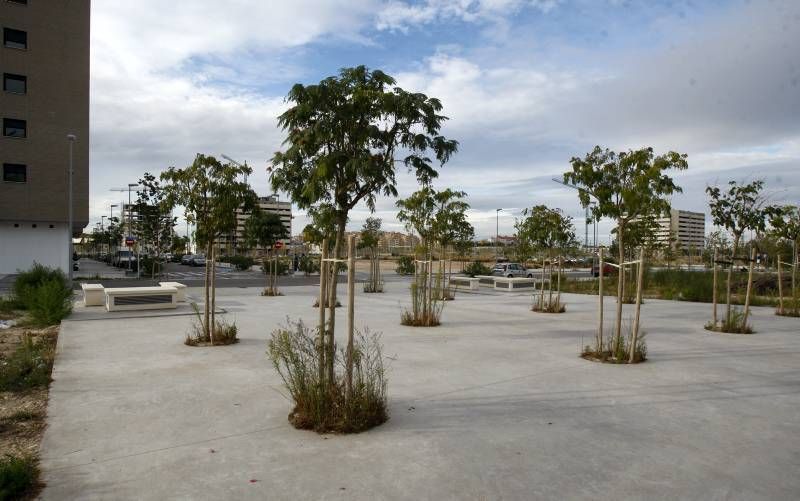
(527, 84)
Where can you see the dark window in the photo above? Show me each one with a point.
(14, 128)
(15, 173)
(23, 2)
(15, 39)
(18, 84)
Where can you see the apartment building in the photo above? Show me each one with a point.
(230, 244)
(44, 62)
(684, 229)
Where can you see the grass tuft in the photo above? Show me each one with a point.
(224, 333)
(619, 354)
(29, 366)
(732, 325)
(17, 476)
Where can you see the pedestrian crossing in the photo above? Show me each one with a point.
(221, 275)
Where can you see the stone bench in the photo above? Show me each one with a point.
(507, 284)
(141, 298)
(93, 294)
(181, 289)
(471, 283)
(486, 279)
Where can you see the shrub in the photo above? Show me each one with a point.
(546, 305)
(477, 268)
(17, 476)
(49, 303)
(734, 324)
(241, 263)
(308, 265)
(283, 266)
(426, 305)
(27, 281)
(619, 354)
(405, 265)
(324, 406)
(29, 366)
(224, 333)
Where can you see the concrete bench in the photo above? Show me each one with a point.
(181, 289)
(507, 284)
(486, 279)
(141, 298)
(471, 283)
(93, 294)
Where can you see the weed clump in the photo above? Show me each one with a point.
(618, 351)
(225, 333)
(734, 324)
(321, 403)
(551, 305)
(17, 476)
(45, 293)
(29, 366)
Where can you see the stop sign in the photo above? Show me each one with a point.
(278, 245)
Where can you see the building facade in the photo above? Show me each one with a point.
(44, 62)
(230, 244)
(682, 229)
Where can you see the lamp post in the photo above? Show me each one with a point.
(71, 138)
(496, 232)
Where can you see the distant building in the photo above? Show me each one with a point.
(231, 243)
(682, 229)
(45, 97)
(506, 240)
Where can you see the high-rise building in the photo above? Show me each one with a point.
(44, 62)
(682, 229)
(234, 241)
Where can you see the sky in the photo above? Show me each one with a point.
(526, 84)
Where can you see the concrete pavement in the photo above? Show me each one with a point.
(493, 404)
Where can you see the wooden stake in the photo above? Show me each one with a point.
(780, 287)
(749, 285)
(714, 293)
(600, 287)
(639, 281)
(351, 309)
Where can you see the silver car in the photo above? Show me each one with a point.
(511, 270)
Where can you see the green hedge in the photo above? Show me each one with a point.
(45, 293)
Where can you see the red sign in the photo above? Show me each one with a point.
(278, 245)
(129, 241)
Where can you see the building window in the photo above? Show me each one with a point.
(15, 39)
(16, 84)
(21, 2)
(15, 173)
(15, 128)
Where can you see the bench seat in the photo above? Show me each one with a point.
(472, 283)
(181, 289)
(507, 284)
(141, 298)
(93, 294)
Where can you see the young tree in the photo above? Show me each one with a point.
(626, 186)
(450, 225)
(370, 238)
(263, 229)
(785, 222)
(344, 137)
(155, 223)
(546, 230)
(211, 192)
(737, 209)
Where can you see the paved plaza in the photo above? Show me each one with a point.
(493, 404)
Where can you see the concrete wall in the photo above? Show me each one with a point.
(23, 245)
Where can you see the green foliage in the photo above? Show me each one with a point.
(738, 209)
(17, 476)
(477, 268)
(732, 324)
(29, 366)
(293, 350)
(283, 265)
(262, 229)
(427, 301)
(154, 223)
(49, 303)
(308, 264)
(370, 234)
(618, 352)
(543, 228)
(241, 263)
(27, 281)
(225, 333)
(405, 265)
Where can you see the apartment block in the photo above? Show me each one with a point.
(229, 244)
(687, 229)
(44, 63)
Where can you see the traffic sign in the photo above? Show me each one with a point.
(278, 245)
(130, 241)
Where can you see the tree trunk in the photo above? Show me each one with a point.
(796, 259)
(351, 301)
(730, 278)
(600, 292)
(620, 283)
(213, 326)
(267, 275)
(714, 293)
(206, 313)
(337, 250)
(749, 286)
(635, 336)
(780, 287)
(323, 294)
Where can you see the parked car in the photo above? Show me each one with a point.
(511, 270)
(197, 260)
(187, 259)
(125, 259)
(608, 269)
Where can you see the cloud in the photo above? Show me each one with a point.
(400, 16)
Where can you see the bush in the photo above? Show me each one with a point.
(732, 325)
(546, 305)
(477, 268)
(325, 407)
(49, 303)
(308, 265)
(283, 266)
(405, 265)
(241, 263)
(150, 266)
(224, 333)
(27, 281)
(619, 354)
(29, 366)
(426, 305)
(17, 476)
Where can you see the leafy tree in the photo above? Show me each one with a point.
(263, 229)
(154, 223)
(211, 192)
(626, 186)
(345, 137)
(180, 244)
(737, 209)
(546, 230)
(369, 239)
(785, 223)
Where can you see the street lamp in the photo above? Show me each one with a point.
(71, 138)
(496, 232)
